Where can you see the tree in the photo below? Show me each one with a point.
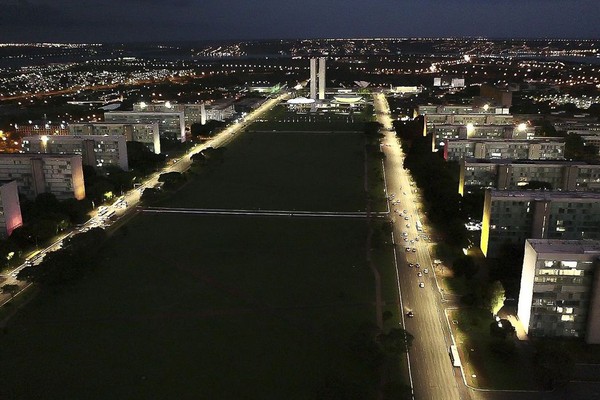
(502, 329)
(464, 266)
(10, 289)
(495, 297)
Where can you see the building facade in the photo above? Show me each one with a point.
(171, 125)
(511, 217)
(558, 288)
(192, 113)
(148, 134)
(41, 129)
(10, 208)
(489, 149)
(513, 175)
(96, 151)
(427, 109)
(61, 175)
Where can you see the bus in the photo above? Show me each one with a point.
(454, 356)
(102, 210)
(419, 226)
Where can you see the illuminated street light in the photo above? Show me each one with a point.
(522, 127)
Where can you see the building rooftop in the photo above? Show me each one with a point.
(505, 161)
(543, 195)
(565, 246)
(503, 140)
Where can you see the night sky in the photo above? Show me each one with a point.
(169, 20)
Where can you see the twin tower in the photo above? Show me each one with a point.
(321, 78)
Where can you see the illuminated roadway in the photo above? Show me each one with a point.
(433, 376)
(132, 198)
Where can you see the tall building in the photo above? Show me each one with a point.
(41, 129)
(61, 175)
(192, 113)
(506, 174)
(442, 133)
(313, 78)
(143, 133)
(322, 78)
(427, 109)
(10, 208)
(515, 149)
(511, 217)
(559, 294)
(95, 150)
(171, 125)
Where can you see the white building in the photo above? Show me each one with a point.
(10, 208)
(148, 134)
(61, 175)
(96, 151)
(513, 149)
(559, 294)
(171, 125)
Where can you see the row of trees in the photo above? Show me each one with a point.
(77, 257)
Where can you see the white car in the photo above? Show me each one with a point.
(421, 285)
(419, 274)
(426, 270)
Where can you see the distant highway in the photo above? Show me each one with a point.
(433, 375)
(131, 199)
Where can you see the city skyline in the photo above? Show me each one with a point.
(134, 20)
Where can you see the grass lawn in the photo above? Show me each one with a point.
(472, 334)
(283, 171)
(201, 307)
(206, 307)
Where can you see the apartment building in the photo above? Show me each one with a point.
(10, 208)
(511, 217)
(460, 109)
(442, 133)
(559, 289)
(59, 174)
(96, 151)
(192, 113)
(515, 174)
(515, 149)
(148, 134)
(171, 125)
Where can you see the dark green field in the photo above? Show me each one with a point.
(188, 306)
(283, 171)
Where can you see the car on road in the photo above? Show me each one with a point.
(407, 249)
(406, 239)
(404, 234)
(426, 270)
(405, 212)
(410, 265)
(414, 250)
(421, 285)
(419, 274)
(410, 314)
(417, 265)
(406, 218)
(408, 225)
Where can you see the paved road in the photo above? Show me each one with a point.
(433, 375)
(132, 198)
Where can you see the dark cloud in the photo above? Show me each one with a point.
(24, 13)
(151, 20)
